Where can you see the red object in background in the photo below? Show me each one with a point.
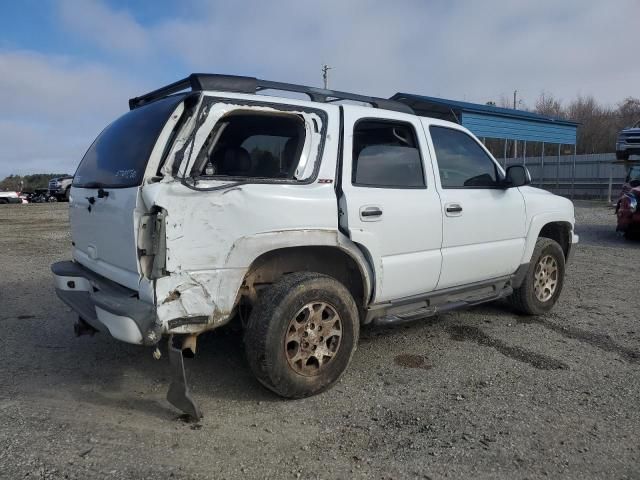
(628, 212)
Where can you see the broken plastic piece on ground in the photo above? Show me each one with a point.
(179, 395)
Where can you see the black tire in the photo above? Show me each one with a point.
(524, 298)
(271, 320)
(620, 155)
(67, 192)
(3, 201)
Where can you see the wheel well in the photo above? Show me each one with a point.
(560, 232)
(331, 261)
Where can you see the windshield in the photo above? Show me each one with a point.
(119, 156)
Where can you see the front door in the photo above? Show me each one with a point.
(390, 205)
(483, 223)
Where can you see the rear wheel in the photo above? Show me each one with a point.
(302, 334)
(543, 281)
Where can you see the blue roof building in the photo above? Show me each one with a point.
(487, 121)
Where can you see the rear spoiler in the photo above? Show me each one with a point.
(232, 83)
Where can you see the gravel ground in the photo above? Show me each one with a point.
(481, 393)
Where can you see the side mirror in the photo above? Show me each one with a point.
(517, 176)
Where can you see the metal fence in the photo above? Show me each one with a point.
(591, 176)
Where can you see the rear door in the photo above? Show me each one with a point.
(390, 205)
(483, 223)
(105, 204)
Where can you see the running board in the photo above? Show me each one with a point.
(438, 302)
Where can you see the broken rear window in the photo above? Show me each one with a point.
(253, 145)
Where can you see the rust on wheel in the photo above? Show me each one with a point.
(313, 338)
(546, 278)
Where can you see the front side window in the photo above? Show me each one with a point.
(386, 155)
(461, 161)
(253, 145)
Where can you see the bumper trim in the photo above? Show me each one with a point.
(106, 305)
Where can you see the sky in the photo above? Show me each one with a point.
(68, 67)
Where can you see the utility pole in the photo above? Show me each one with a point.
(515, 142)
(325, 75)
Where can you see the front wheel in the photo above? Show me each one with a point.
(543, 281)
(302, 334)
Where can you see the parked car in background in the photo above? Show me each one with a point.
(9, 197)
(41, 195)
(628, 142)
(628, 206)
(60, 187)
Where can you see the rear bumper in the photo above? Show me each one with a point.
(106, 305)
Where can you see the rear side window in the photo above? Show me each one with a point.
(119, 156)
(461, 161)
(253, 145)
(386, 155)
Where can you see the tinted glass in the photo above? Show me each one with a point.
(461, 161)
(119, 156)
(386, 154)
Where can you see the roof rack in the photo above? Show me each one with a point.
(233, 83)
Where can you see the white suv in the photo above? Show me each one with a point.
(303, 219)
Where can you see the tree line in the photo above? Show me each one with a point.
(598, 128)
(28, 183)
(599, 124)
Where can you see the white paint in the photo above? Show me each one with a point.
(405, 242)
(81, 284)
(121, 328)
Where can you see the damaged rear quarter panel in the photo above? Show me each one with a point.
(213, 237)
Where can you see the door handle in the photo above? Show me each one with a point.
(453, 209)
(370, 213)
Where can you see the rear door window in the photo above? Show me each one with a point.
(386, 155)
(118, 157)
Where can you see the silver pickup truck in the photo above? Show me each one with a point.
(628, 142)
(60, 187)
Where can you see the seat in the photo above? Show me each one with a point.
(234, 161)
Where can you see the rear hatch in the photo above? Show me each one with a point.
(105, 205)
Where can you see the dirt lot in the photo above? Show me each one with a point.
(474, 394)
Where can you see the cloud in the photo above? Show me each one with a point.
(52, 108)
(112, 30)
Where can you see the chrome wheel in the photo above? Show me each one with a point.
(545, 278)
(313, 338)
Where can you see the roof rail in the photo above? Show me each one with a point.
(233, 83)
